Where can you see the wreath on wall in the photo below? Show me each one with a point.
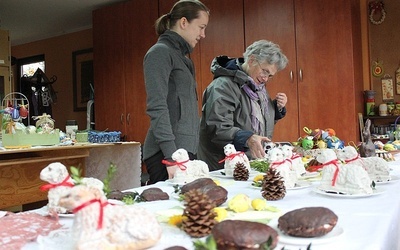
(375, 8)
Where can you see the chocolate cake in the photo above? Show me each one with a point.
(237, 234)
(308, 222)
(198, 183)
(207, 186)
(154, 194)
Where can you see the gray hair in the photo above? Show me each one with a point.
(266, 51)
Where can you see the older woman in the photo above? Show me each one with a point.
(237, 108)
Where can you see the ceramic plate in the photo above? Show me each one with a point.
(299, 241)
(376, 191)
(221, 174)
(393, 179)
(298, 185)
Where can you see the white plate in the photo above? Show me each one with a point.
(299, 185)
(309, 175)
(393, 179)
(376, 191)
(221, 174)
(172, 182)
(66, 215)
(333, 235)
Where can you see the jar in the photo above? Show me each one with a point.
(70, 129)
(383, 109)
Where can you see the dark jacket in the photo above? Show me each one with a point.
(226, 112)
(171, 97)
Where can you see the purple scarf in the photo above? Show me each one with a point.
(259, 106)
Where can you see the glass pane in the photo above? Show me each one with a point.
(30, 69)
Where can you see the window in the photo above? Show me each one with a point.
(28, 66)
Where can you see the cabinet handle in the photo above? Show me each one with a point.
(128, 118)
(121, 119)
(291, 75)
(301, 75)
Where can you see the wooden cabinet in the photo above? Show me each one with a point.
(122, 34)
(323, 80)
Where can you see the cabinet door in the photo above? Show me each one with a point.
(329, 91)
(139, 36)
(274, 20)
(108, 63)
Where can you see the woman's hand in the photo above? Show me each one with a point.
(256, 146)
(281, 100)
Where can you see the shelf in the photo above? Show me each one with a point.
(377, 117)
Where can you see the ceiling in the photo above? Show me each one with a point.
(33, 20)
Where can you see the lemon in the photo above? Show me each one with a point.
(221, 213)
(259, 204)
(239, 203)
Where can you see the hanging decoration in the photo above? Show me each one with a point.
(376, 8)
(387, 88)
(377, 68)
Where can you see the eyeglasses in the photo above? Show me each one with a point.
(265, 74)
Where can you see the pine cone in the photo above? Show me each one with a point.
(273, 186)
(240, 173)
(198, 215)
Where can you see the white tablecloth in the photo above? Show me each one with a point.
(368, 223)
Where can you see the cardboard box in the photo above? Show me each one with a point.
(22, 139)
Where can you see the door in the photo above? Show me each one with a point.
(108, 64)
(139, 36)
(274, 20)
(329, 91)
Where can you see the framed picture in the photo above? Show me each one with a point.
(82, 71)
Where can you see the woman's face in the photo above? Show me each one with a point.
(195, 30)
(261, 72)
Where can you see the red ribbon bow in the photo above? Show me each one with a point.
(180, 164)
(335, 175)
(353, 159)
(101, 210)
(66, 183)
(231, 156)
(277, 163)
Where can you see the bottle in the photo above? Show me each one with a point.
(369, 96)
(70, 129)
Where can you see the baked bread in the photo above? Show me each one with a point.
(154, 194)
(308, 222)
(207, 186)
(238, 234)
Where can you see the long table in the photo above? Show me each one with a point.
(368, 223)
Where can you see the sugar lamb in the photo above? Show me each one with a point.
(277, 160)
(100, 225)
(342, 178)
(56, 174)
(377, 168)
(232, 158)
(187, 170)
(295, 160)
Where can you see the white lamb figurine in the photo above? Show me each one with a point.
(342, 178)
(100, 225)
(56, 174)
(188, 170)
(295, 160)
(277, 160)
(232, 158)
(376, 167)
